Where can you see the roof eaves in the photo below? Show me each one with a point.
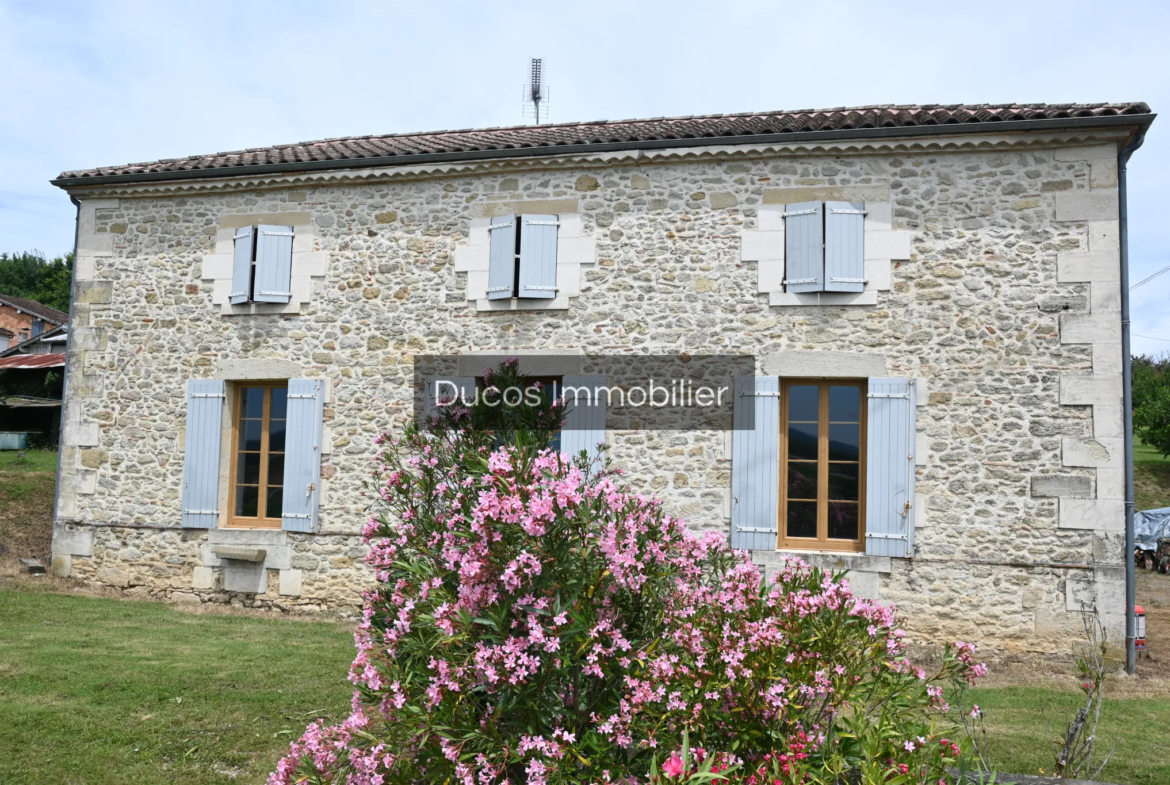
(510, 151)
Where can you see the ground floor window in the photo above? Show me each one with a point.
(257, 471)
(822, 466)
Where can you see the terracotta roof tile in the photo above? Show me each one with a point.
(648, 131)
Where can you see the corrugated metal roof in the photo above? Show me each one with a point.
(15, 361)
(356, 151)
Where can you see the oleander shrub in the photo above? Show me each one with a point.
(536, 622)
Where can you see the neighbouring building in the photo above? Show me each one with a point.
(21, 319)
(930, 295)
(32, 373)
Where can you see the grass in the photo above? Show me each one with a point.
(96, 690)
(1145, 454)
(1023, 721)
(26, 504)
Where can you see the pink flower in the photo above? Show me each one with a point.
(673, 767)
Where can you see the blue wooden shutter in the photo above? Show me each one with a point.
(36, 328)
(242, 266)
(442, 386)
(201, 456)
(889, 468)
(755, 462)
(538, 256)
(804, 266)
(273, 264)
(584, 424)
(302, 454)
(502, 261)
(844, 247)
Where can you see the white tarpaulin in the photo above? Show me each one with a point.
(1149, 525)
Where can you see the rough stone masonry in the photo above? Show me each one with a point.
(998, 293)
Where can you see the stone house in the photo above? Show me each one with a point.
(21, 319)
(929, 296)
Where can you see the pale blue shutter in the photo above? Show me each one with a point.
(502, 261)
(538, 256)
(889, 468)
(755, 462)
(302, 454)
(804, 267)
(201, 455)
(242, 266)
(844, 247)
(273, 264)
(447, 387)
(587, 400)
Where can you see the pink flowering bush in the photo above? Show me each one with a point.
(534, 622)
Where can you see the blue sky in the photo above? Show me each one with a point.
(89, 84)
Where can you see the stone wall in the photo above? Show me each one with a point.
(1005, 311)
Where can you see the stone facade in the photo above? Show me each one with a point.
(1000, 296)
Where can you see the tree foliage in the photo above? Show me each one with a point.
(32, 276)
(1151, 401)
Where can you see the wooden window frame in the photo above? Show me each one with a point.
(822, 541)
(245, 522)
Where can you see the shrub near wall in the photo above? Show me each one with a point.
(535, 623)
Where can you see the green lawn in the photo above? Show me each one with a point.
(34, 461)
(96, 691)
(1144, 453)
(1022, 723)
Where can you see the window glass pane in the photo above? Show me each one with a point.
(247, 497)
(802, 440)
(802, 519)
(802, 480)
(250, 435)
(252, 403)
(844, 442)
(279, 403)
(802, 403)
(275, 469)
(276, 436)
(843, 481)
(843, 523)
(845, 404)
(249, 468)
(275, 503)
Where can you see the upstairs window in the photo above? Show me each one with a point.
(262, 264)
(824, 247)
(523, 262)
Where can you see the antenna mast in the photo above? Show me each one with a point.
(535, 92)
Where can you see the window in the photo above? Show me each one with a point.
(262, 264)
(523, 260)
(822, 474)
(550, 389)
(258, 446)
(824, 247)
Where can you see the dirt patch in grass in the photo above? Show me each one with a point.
(26, 506)
(1151, 485)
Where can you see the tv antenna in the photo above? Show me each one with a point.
(536, 91)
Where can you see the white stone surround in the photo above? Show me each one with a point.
(575, 252)
(765, 246)
(308, 263)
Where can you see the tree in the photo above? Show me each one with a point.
(32, 276)
(1151, 401)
